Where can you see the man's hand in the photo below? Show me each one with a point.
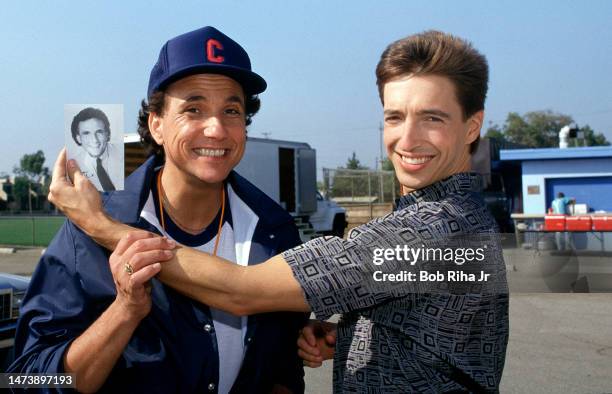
(79, 200)
(317, 343)
(133, 263)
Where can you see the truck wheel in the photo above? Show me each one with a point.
(339, 226)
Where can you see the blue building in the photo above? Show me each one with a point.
(583, 173)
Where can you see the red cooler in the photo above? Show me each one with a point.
(579, 223)
(602, 223)
(554, 222)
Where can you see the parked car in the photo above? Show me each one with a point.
(12, 290)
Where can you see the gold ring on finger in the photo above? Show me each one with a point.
(128, 268)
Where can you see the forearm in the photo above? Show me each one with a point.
(266, 287)
(104, 230)
(92, 356)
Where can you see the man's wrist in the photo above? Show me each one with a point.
(103, 229)
(95, 224)
(126, 315)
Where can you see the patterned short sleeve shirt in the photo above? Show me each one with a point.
(399, 337)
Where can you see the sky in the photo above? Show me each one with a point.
(318, 58)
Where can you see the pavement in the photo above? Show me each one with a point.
(22, 262)
(559, 342)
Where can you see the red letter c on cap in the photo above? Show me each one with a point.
(211, 46)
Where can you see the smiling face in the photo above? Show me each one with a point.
(425, 134)
(202, 129)
(93, 136)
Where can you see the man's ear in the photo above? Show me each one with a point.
(77, 139)
(474, 126)
(156, 128)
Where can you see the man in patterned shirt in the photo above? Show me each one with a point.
(395, 335)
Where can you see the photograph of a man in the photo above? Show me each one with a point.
(100, 158)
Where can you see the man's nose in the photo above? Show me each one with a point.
(214, 127)
(410, 134)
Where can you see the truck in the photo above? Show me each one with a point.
(286, 172)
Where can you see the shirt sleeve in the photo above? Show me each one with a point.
(336, 275)
(373, 264)
(53, 310)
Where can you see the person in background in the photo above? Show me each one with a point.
(560, 205)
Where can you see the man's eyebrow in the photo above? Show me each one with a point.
(235, 99)
(191, 99)
(391, 112)
(434, 111)
(230, 99)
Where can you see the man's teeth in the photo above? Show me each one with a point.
(416, 160)
(210, 152)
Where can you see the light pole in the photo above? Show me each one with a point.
(380, 180)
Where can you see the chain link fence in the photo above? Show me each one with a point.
(360, 186)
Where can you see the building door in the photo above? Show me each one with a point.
(596, 192)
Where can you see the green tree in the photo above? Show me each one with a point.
(540, 129)
(387, 165)
(590, 138)
(353, 163)
(30, 172)
(495, 132)
(21, 191)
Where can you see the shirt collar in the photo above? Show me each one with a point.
(458, 183)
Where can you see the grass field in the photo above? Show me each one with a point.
(28, 231)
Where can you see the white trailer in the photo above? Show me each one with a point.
(286, 171)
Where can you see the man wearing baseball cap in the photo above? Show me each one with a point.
(119, 329)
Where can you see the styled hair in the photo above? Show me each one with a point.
(156, 104)
(86, 114)
(436, 53)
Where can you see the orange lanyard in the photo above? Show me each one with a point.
(161, 210)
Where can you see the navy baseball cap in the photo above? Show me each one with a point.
(205, 50)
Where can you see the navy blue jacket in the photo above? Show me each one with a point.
(173, 350)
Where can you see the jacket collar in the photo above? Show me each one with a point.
(126, 205)
(463, 182)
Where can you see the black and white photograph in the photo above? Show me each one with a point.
(94, 138)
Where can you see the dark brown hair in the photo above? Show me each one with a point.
(437, 53)
(86, 114)
(156, 105)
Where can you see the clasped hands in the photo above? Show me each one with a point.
(317, 342)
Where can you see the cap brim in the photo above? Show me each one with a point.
(252, 83)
